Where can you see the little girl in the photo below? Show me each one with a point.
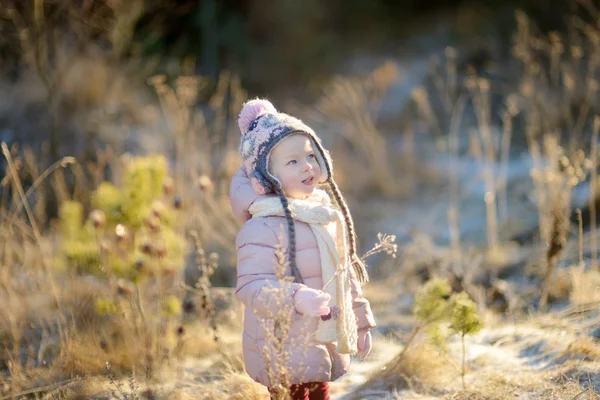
(283, 163)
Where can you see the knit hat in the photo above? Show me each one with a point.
(263, 127)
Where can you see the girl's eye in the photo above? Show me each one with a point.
(292, 162)
(311, 156)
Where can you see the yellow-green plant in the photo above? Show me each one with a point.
(465, 321)
(431, 307)
(132, 231)
(79, 248)
(132, 240)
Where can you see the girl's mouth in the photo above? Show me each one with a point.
(309, 181)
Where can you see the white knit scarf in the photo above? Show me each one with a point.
(317, 211)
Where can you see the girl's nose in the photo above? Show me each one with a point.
(308, 167)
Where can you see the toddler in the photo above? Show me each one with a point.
(283, 163)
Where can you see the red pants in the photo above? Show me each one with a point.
(307, 391)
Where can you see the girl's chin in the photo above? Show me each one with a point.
(301, 195)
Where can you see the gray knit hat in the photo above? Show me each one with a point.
(262, 127)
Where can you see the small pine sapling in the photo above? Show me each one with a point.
(431, 307)
(465, 321)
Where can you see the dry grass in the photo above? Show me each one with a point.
(585, 348)
(346, 115)
(586, 286)
(422, 368)
(63, 330)
(232, 386)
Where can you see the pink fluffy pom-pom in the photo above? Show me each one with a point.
(253, 109)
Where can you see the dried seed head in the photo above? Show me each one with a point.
(383, 76)
(484, 85)
(104, 247)
(178, 202)
(573, 181)
(120, 232)
(187, 88)
(98, 218)
(147, 247)
(153, 224)
(168, 185)
(157, 80)
(161, 252)
(569, 81)
(527, 89)
(139, 265)
(205, 183)
(512, 104)
(123, 289)
(158, 209)
(67, 161)
(419, 94)
(188, 306)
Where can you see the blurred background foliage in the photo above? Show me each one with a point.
(272, 45)
(75, 72)
(96, 79)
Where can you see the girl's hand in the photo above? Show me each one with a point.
(364, 343)
(311, 302)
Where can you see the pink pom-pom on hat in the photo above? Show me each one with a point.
(253, 109)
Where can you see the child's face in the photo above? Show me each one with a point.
(294, 163)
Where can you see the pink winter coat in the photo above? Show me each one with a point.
(255, 243)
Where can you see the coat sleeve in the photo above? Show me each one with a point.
(361, 307)
(257, 285)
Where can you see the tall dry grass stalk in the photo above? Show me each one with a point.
(594, 193)
(31, 217)
(276, 353)
(557, 95)
(206, 143)
(202, 289)
(445, 78)
(443, 110)
(348, 110)
(554, 176)
(453, 210)
(491, 151)
(584, 282)
(34, 33)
